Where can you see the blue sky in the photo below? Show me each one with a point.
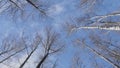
(60, 12)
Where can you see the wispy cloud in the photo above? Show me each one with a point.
(55, 9)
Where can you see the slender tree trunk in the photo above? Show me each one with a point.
(21, 66)
(40, 63)
(103, 57)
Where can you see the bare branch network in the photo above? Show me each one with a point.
(42, 47)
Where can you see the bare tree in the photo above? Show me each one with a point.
(35, 44)
(91, 20)
(50, 46)
(9, 49)
(49, 43)
(102, 51)
(19, 9)
(105, 46)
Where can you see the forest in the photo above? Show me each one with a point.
(59, 33)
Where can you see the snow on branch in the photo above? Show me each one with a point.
(99, 18)
(117, 28)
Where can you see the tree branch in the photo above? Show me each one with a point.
(40, 10)
(11, 55)
(101, 56)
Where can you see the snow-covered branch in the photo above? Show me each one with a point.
(96, 27)
(99, 18)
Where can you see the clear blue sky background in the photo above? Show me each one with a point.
(63, 11)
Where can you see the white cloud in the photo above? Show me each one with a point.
(55, 9)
